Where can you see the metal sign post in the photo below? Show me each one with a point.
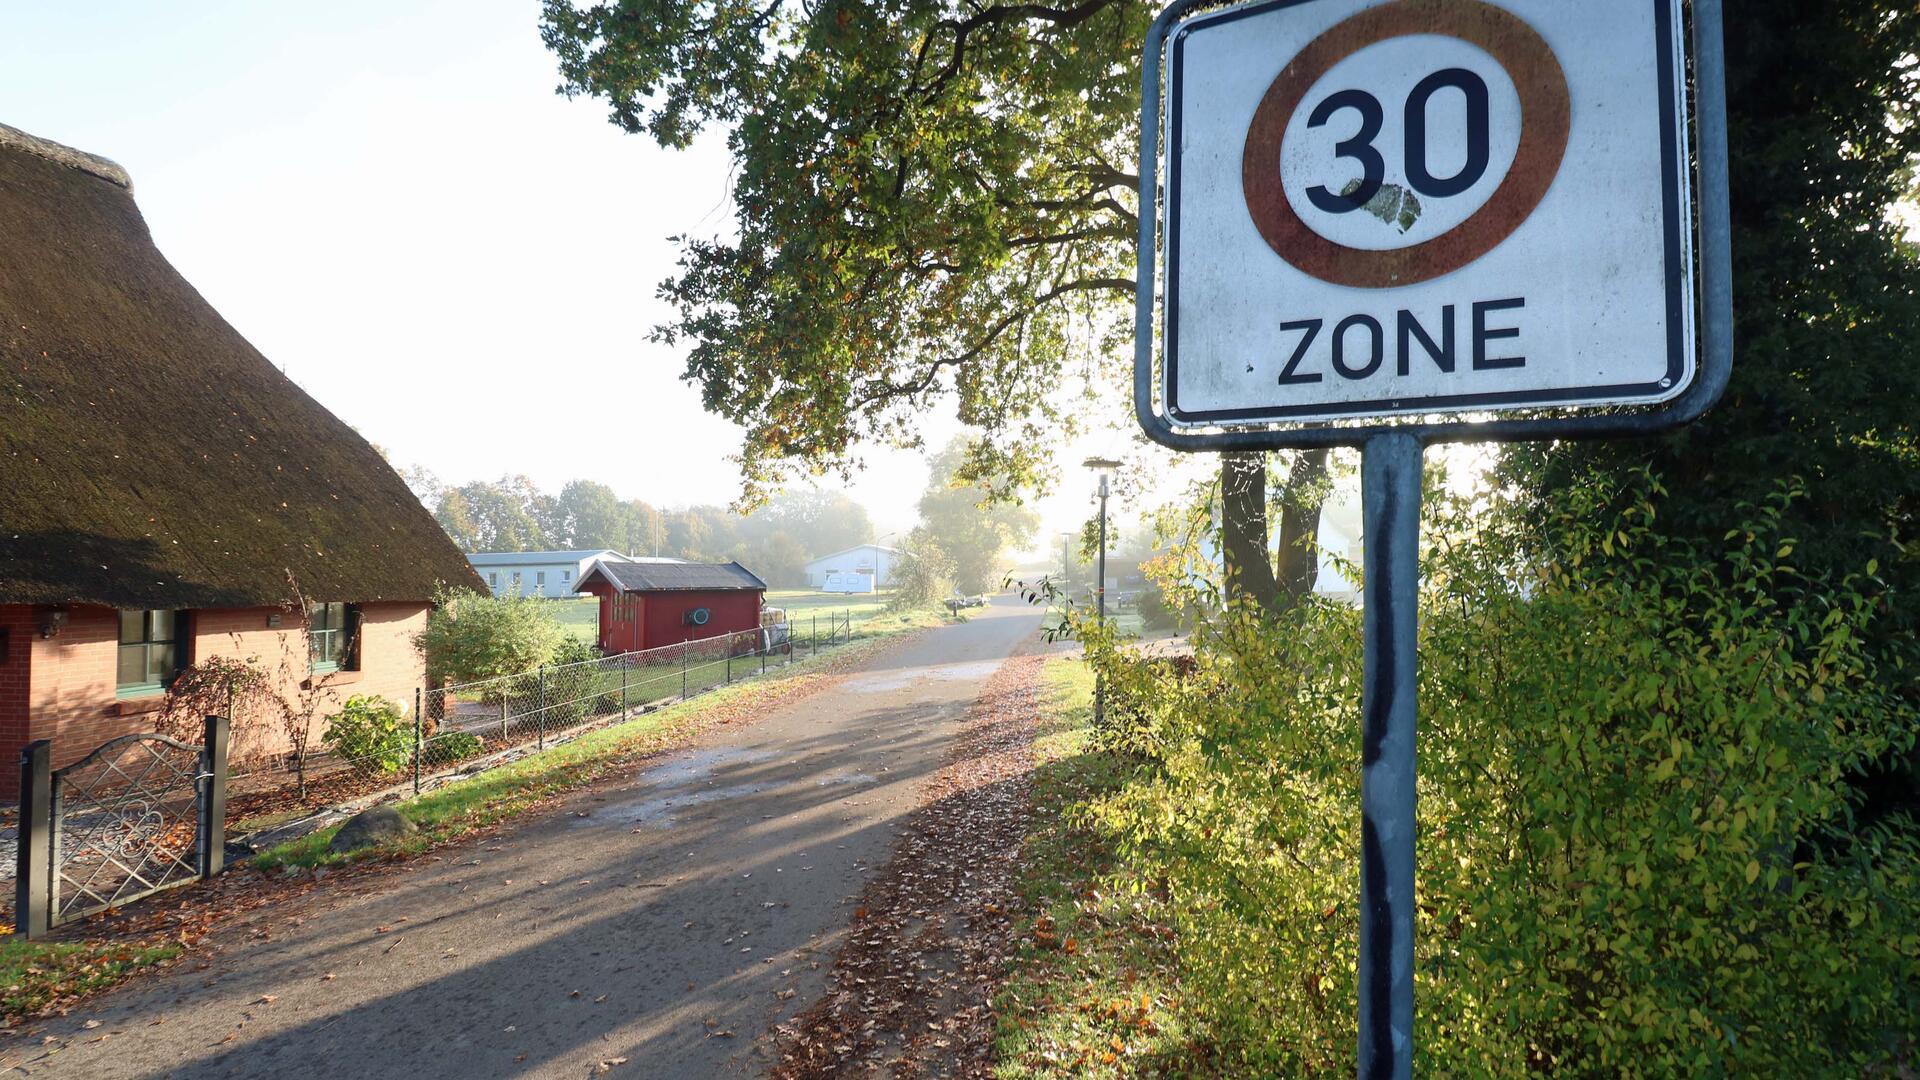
(1390, 223)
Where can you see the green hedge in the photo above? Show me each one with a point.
(1637, 853)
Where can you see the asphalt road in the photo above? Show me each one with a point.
(653, 927)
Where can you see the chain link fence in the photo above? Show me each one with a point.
(465, 725)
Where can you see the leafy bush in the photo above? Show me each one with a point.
(1155, 612)
(923, 576)
(238, 689)
(452, 746)
(1632, 774)
(571, 679)
(371, 730)
(473, 636)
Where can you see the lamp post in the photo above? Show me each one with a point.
(1105, 467)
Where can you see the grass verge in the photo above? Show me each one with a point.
(498, 794)
(1092, 990)
(35, 975)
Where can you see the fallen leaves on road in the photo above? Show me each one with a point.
(911, 990)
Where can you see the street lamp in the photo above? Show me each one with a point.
(1105, 467)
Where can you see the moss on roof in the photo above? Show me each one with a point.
(151, 456)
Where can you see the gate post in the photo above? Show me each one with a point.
(33, 881)
(624, 663)
(213, 797)
(540, 717)
(685, 647)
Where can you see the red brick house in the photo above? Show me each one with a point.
(169, 495)
(644, 605)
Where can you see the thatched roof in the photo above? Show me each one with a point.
(151, 457)
(673, 577)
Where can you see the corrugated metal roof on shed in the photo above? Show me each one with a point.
(675, 577)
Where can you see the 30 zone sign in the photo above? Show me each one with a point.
(1425, 206)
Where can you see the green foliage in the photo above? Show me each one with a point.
(371, 731)
(927, 196)
(474, 636)
(502, 516)
(1633, 751)
(923, 576)
(452, 746)
(569, 682)
(1090, 991)
(1822, 101)
(973, 529)
(775, 541)
(1155, 612)
(36, 975)
(588, 515)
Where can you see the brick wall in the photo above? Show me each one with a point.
(390, 666)
(70, 685)
(65, 686)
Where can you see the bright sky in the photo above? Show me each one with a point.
(394, 206)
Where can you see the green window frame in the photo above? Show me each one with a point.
(151, 652)
(331, 628)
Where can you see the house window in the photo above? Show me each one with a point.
(493, 581)
(540, 578)
(516, 582)
(566, 576)
(149, 651)
(331, 628)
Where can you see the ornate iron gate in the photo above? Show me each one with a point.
(139, 814)
(126, 823)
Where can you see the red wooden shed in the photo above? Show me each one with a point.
(644, 605)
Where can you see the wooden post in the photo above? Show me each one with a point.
(213, 797)
(32, 879)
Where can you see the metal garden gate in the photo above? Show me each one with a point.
(139, 814)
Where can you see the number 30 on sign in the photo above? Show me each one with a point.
(1425, 206)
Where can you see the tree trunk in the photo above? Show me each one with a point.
(1243, 529)
(1300, 526)
(1243, 516)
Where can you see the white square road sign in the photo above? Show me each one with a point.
(1425, 206)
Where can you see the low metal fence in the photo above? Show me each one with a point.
(147, 812)
(463, 725)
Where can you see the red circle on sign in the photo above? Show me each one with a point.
(1545, 113)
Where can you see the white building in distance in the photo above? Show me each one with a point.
(871, 559)
(550, 574)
